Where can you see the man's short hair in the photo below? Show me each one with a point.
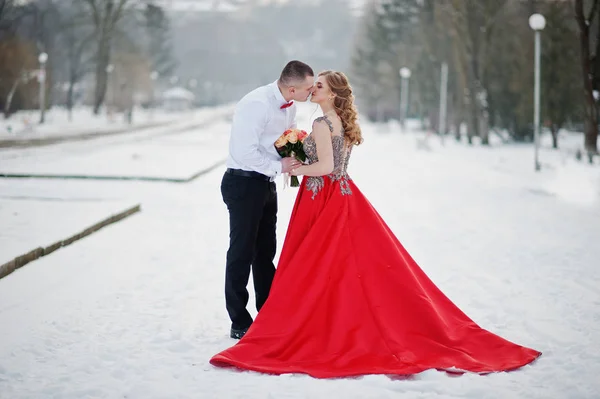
(295, 72)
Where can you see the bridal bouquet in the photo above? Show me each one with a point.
(289, 144)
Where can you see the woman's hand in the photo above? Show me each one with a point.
(297, 171)
(289, 163)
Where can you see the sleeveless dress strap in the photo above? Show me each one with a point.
(326, 119)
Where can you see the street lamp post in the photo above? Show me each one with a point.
(43, 57)
(537, 22)
(443, 102)
(405, 75)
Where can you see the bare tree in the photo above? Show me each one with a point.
(159, 46)
(471, 23)
(589, 65)
(22, 78)
(105, 15)
(561, 98)
(8, 15)
(77, 37)
(17, 56)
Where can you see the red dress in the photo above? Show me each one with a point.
(348, 299)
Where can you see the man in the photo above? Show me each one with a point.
(249, 190)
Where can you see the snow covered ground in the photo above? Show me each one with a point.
(47, 220)
(136, 310)
(163, 152)
(25, 125)
(170, 153)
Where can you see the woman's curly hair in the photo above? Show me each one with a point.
(344, 105)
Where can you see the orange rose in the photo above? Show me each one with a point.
(302, 135)
(292, 136)
(281, 141)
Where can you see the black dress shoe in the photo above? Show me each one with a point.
(238, 334)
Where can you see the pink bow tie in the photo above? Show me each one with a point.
(284, 106)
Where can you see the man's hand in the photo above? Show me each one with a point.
(289, 163)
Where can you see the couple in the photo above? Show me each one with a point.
(347, 299)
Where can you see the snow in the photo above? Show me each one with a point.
(25, 124)
(171, 153)
(178, 93)
(136, 310)
(48, 219)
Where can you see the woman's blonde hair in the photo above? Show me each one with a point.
(343, 103)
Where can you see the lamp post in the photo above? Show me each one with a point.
(537, 22)
(405, 75)
(443, 102)
(43, 57)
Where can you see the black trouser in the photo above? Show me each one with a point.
(252, 204)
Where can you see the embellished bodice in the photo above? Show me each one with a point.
(341, 157)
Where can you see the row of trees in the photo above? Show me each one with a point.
(221, 54)
(82, 38)
(236, 51)
(488, 47)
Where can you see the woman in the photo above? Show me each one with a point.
(347, 298)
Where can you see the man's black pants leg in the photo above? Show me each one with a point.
(263, 269)
(252, 205)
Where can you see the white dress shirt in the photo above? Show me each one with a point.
(258, 121)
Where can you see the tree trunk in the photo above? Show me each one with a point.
(478, 108)
(454, 116)
(434, 119)
(591, 116)
(456, 119)
(484, 123)
(484, 126)
(101, 75)
(590, 112)
(472, 120)
(10, 97)
(70, 99)
(554, 130)
(457, 125)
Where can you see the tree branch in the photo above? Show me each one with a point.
(3, 6)
(493, 19)
(95, 14)
(117, 14)
(580, 17)
(592, 12)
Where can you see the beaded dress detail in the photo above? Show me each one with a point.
(341, 157)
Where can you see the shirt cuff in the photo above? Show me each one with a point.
(276, 166)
